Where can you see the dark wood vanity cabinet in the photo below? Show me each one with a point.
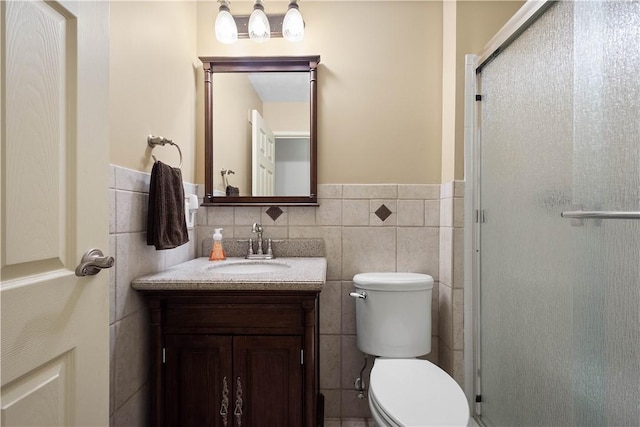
(233, 380)
(222, 358)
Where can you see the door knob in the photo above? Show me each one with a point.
(92, 262)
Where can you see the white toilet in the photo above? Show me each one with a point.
(393, 321)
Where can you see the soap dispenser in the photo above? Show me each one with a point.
(217, 252)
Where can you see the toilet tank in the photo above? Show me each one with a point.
(393, 314)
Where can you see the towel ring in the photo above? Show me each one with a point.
(152, 141)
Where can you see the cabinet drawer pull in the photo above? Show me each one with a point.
(224, 406)
(238, 411)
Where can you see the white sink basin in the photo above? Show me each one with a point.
(249, 267)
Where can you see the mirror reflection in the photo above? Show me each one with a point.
(261, 129)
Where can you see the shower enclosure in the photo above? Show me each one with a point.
(556, 185)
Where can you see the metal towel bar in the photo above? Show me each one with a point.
(152, 141)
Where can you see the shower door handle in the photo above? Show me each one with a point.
(600, 215)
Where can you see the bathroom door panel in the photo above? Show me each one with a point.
(53, 208)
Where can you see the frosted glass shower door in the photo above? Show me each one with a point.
(560, 298)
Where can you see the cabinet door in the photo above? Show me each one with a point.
(198, 369)
(268, 379)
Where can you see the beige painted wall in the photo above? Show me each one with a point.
(379, 85)
(475, 23)
(152, 82)
(382, 82)
(449, 55)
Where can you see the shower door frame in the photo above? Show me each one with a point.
(474, 216)
(518, 23)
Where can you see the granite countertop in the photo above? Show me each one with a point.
(302, 273)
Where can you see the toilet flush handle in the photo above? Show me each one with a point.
(362, 295)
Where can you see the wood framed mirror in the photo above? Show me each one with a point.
(260, 136)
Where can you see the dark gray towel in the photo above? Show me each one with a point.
(166, 225)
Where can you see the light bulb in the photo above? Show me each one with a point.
(259, 28)
(293, 24)
(226, 29)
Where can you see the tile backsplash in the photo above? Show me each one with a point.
(369, 227)
(377, 227)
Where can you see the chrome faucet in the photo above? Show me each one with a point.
(259, 253)
(257, 229)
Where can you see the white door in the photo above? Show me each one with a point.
(54, 208)
(264, 157)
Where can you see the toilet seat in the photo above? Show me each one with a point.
(413, 392)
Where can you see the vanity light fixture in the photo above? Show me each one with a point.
(293, 24)
(259, 26)
(226, 29)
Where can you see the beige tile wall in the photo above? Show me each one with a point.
(451, 301)
(128, 200)
(420, 235)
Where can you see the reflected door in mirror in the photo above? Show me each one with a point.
(263, 149)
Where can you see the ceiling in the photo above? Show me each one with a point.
(281, 87)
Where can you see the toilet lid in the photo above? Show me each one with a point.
(393, 281)
(414, 392)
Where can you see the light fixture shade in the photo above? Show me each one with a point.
(259, 28)
(226, 29)
(293, 24)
